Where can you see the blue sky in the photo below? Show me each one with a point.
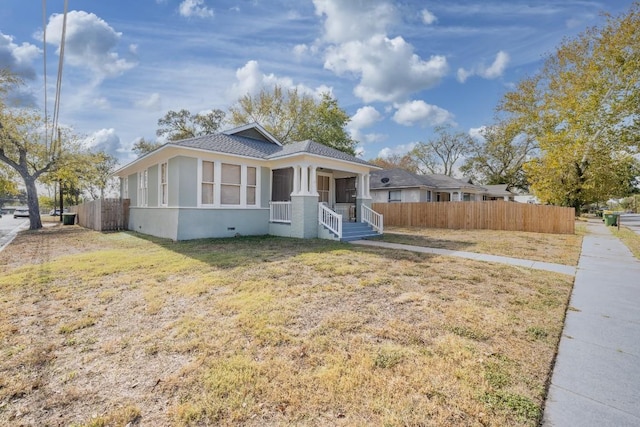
(398, 68)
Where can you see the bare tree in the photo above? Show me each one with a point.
(440, 154)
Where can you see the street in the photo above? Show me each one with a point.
(9, 227)
(632, 221)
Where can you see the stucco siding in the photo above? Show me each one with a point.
(203, 223)
(280, 229)
(304, 216)
(154, 221)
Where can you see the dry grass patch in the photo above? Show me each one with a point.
(555, 248)
(121, 328)
(630, 238)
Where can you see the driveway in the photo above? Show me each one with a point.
(9, 227)
(632, 221)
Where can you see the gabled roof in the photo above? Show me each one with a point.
(315, 148)
(499, 190)
(253, 131)
(400, 178)
(254, 142)
(231, 144)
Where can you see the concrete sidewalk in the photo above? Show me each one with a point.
(537, 265)
(596, 378)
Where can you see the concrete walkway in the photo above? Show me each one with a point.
(596, 378)
(538, 265)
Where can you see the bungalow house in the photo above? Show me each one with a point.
(245, 182)
(399, 185)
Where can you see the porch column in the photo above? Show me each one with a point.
(313, 190)
(304, 170)
(367, 184)
(296, 179)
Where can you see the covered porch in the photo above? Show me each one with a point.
(317, 201)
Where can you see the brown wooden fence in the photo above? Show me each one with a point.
(103, 214)
(489, 215)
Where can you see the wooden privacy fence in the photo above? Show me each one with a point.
(489, 215)
(103, 214)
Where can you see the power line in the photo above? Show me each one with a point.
(56, 106)
(44, 53)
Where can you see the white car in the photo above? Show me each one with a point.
(21, 213)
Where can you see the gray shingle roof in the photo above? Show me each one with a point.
(249, 147)
(400, 178)
(231, 144)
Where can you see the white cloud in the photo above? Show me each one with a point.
(389, 70)
(365, 117)
(371, 138)
(100, 102)
(358, 45)
(106, 140)
(495, 70)
(90, 42)
(463, 74)
(195, 8)
(300, 50)
(251, 80)
(428, 17)
(397, 150)
(18, 58)
(152, 103)
(477, 133)
(354, 19)
(419, 112)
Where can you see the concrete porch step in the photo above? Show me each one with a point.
(357, 231)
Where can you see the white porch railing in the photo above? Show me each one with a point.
(280, 212)
(373, 218)
(330, 219)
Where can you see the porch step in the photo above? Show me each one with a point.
(357, 231)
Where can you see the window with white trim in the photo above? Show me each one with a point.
(125, 187)
(208, 185)
(230, 185)
(395, 195)
(164, 188)
(323, 188)
(143, 190)
(252, 181)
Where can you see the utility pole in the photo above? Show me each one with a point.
(60, 180)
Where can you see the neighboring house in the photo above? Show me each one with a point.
(399, 185)
(245, 182)
(499, 192)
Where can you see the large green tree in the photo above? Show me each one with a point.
(583, 109)
(142, 146)
(23, 147)
(176, 125)
(500, 156)
(291, 116)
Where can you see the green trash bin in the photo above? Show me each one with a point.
(68, 218)
(611, 219)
